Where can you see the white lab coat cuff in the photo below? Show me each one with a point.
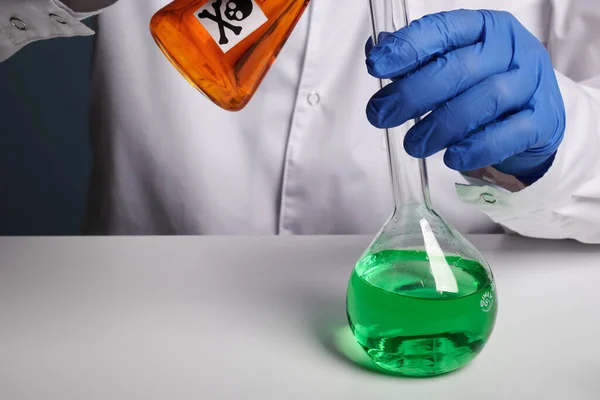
(37, 20)
(554, 206)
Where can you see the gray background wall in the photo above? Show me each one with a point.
(44, 148)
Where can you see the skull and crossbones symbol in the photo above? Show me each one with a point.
(235, 10)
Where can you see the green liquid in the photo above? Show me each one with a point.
(406, 325)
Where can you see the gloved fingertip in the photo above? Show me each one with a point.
(374, 67)
(382, 35)
(374, 115)
(413, 145)
(371, 43)
(369, 46)
(375, 52)
(456, 159)
(391, 58)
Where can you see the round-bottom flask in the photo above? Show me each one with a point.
(421, 301)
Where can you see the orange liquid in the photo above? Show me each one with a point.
(229, 78)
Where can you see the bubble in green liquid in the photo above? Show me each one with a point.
(406, 325)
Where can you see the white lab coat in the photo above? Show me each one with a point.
(302, 158)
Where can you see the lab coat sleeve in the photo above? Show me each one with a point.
(565, 203)
(26, 21)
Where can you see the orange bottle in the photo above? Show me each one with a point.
(224, 48)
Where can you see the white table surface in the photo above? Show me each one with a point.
(264, 318)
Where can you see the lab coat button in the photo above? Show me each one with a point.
(314, 99)
(18, 23)
(488, 198)
(58, 18)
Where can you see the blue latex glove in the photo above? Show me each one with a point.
(489, 83)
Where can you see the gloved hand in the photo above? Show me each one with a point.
(489, 83)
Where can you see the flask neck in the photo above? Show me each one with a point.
(409, 179)
(390, 16)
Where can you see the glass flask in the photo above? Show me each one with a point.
(224, 48)
(421, 300)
